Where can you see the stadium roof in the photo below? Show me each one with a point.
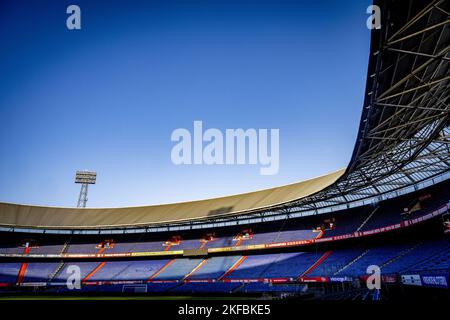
(403, 138)
(54, 217)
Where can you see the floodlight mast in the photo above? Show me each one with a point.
(84, 178)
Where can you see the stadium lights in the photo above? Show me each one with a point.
(84, 178)
(88, 177)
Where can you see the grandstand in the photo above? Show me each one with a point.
(388, 208)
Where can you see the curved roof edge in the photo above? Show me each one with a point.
(29, 216)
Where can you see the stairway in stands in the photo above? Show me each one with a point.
(65, 246)
(61, 263)
(201, 264)
(368, 218)
(403, 253)
(351, 262)
(56, 271)
(275, 239)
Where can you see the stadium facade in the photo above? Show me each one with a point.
(315, 238)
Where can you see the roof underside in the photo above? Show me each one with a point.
(403, 137)
(404, 131)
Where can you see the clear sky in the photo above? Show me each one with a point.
(107, 97)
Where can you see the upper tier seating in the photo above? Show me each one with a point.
(294, 235)
(348, 221)
(391, 212)
(187, 244)
(89, 248)
(221, 242)
(11, 249)
(141, 246)
(47, 249)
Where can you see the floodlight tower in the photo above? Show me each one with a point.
(84, 178)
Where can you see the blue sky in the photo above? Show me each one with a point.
(107, 97)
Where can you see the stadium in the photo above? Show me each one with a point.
(317, 239)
